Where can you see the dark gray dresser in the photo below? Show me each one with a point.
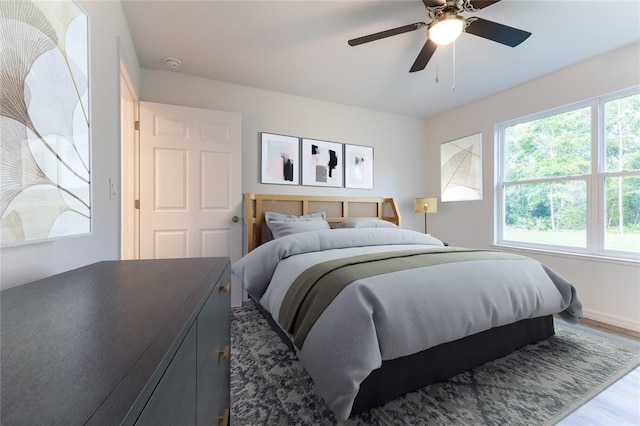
(118, 342)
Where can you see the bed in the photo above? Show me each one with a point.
(374, 311)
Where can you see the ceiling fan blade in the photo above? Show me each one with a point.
(433, 3)
(387, 33)
(497, 32)
(424, 56)
(481, 4)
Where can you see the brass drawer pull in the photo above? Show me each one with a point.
(224, 288)
(224, 418)
(223, 353)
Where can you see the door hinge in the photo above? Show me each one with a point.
(136, 125)
(136, 204)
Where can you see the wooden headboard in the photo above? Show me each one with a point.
(338, 209)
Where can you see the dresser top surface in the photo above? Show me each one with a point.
(67, 342)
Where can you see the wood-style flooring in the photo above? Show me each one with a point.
(619, 404)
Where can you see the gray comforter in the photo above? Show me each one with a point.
(400, 313)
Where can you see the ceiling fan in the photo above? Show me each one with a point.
(447, 24)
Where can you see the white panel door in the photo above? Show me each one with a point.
(190, 184)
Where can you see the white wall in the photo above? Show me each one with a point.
(109, 35)
(398, 141)
(609, 290)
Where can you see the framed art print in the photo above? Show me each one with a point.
(358, 166)
(461, 169)
(280, 159)
(322, 163)
(45, 189)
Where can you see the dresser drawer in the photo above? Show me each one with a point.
(174, 399)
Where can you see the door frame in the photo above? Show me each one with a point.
(129, 168)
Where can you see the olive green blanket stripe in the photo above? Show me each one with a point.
(314, 289)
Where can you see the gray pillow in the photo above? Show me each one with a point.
(283, 228)
(270, 216)
(366, 223)
(286, 224)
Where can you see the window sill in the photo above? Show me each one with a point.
(570, 255)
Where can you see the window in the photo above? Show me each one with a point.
(570, 178)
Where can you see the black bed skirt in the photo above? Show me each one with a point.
(399, 376)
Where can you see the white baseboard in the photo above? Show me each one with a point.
(612, 320)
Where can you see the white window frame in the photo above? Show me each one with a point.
(595, 187)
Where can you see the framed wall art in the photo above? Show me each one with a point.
(280, 159)
(461, 169)
(358, 161)
(46, 179)
(322, 163)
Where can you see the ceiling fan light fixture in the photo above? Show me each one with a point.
(446, 29)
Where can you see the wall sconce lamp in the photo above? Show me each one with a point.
(426, 205)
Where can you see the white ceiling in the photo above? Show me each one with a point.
(300, 47)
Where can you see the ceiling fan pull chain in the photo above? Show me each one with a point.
(453, 86)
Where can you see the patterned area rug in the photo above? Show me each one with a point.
(538, 384)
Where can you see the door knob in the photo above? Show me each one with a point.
(235, 218)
